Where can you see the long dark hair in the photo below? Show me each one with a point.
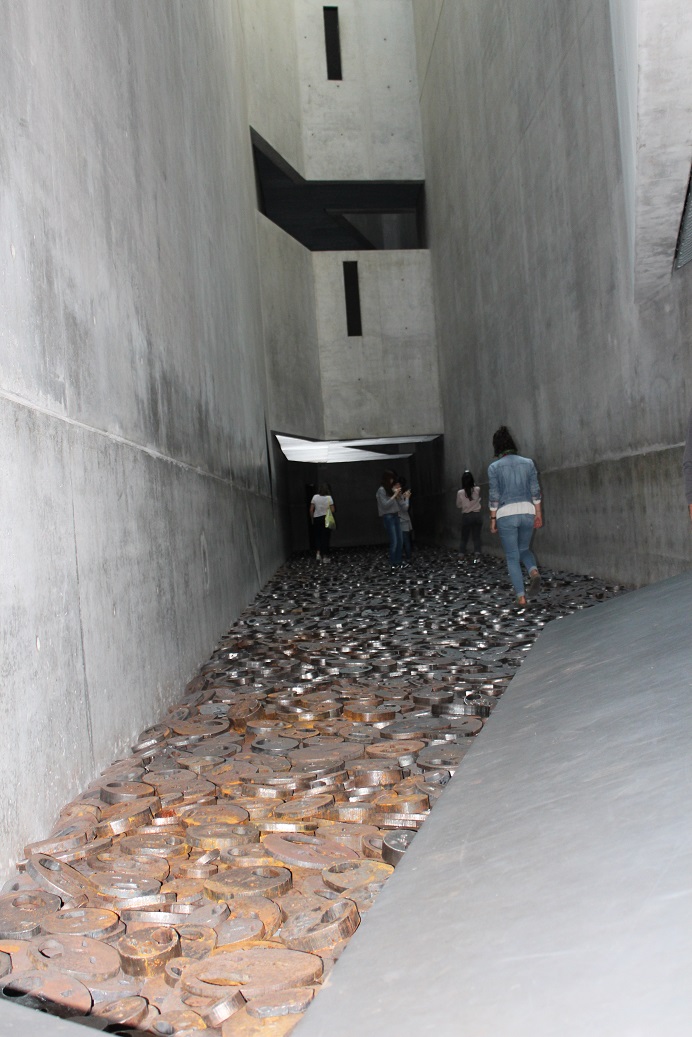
(503, 442)
(388, 480)
(467, 483)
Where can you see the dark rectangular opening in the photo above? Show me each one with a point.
(332, 42)
(352, 294)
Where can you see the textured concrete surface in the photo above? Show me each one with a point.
(385, 381)
(295, 403)
(529, 226)
(137, 517)
(365, 126)
(549, 892)
(664, 147)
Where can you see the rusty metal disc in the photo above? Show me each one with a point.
(221, 836)
(146, 952)
(255, 971)
(125, 886)
(241, 932)
(320, 928)
(303, 808)
(294, 1001)
(252, 906)
(441, 756)
(113, 862)
(125, 1011)
(307, 851)
(125, 791)
(404, 803)
(79, 956)
(162, 844)
(94, 922)
(349, 875)
(57, 877)
(49, 991)
(267, 881)
(204, 727)
(196, 941)
(22, 914)
(226, 813)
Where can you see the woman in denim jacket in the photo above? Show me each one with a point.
(515, 510)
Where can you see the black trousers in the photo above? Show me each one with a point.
(321, 534)
(471, 524)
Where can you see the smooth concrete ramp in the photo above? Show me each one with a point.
(550, 892)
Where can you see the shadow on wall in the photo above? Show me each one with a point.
(353, 487)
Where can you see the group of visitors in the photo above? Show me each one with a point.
(393, 500)
(514, 501)
(515, 511)
(514, 504)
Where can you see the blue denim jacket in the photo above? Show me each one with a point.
(512, 479)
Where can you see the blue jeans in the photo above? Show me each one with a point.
(393, 527)
(515, 533)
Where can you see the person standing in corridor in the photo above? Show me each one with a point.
(387, 498)
(469, 502)
(404, 500)
(321, 503)
(515, 510)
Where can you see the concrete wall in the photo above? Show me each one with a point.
(295, 405)
(664, 144)
(365, 126)
(274, 101)
(385, 381)
(624, 25)
(538, 322)
(137, 517)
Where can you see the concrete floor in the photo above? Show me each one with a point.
(550, 892)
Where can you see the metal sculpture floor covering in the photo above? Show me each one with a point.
(209, 880)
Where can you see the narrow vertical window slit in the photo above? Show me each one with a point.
(332, 42)
(352, 294)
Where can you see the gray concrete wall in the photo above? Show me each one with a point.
(385, 381)
(664, 146)
(365, 126)
(539, 326)
(274, 101)
(295, 404)
(136, 515)
(624, 24)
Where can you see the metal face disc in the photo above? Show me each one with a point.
(254, 970)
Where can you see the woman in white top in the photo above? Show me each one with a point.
(469, 502)
(320, 504)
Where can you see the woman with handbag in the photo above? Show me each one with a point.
(322, 513)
